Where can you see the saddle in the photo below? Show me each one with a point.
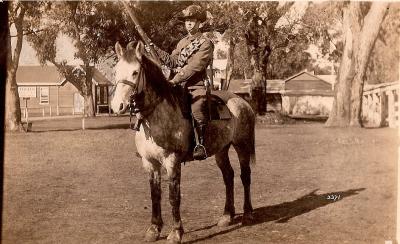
(218, 108)
(218, 100)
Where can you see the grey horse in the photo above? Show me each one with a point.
(165, 135)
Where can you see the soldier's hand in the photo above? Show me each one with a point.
(173, 83)
(147, 47)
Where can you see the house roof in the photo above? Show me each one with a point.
(308, 73)
(243, 86)
(239, 85)
(39, 75)
(328, 78)
(49, 76)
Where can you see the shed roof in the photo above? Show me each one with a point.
(307, 73)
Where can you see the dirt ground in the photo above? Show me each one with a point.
(65, 185)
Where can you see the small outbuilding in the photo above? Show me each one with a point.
(44, 91)
(306, 94)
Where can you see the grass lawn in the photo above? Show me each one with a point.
(66, 185)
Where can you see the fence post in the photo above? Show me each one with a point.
(43, 111)
(50, 110)
(383, 108)
(391, 109)
(369, 108)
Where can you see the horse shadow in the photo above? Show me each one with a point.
(103, 127)
(283, 212)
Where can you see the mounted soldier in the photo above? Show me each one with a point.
(165, 137)
(188, 63)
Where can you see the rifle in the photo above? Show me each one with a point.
(143, 36)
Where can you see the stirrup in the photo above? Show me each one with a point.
(136, 126)
(200, 147)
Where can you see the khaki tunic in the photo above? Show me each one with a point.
(193, 72)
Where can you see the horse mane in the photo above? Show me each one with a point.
(154, 76)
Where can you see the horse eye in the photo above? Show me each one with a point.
(134, 73)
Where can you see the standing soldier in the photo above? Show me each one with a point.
(188, 62)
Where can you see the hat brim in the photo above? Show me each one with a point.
(199, 18)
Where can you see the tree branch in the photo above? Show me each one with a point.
(30, 32)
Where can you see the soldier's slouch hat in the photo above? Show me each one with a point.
(193, 12)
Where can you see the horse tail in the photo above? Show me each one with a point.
(253, 147)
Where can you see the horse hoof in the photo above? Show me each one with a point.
(175, 237)
(224, 221)
(152, 234)
(248, 219)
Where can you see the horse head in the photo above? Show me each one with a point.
(139, 77)
(128, 75)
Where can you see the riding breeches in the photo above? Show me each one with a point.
(199, 107)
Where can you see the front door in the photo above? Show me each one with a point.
(78, 103)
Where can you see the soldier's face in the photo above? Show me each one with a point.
(192, 26)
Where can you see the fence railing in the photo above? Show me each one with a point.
(48, 111)
(381, 104)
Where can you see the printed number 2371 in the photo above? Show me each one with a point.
(333, 197)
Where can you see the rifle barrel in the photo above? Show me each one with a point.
(143, 36)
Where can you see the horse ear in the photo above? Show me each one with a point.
(139, 50)
(119, 50)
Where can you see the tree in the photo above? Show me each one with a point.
(4, 33)
(89, 25)
(21, 16)
(385, 54)
(362, 23)
(254, 25)
(95, 27)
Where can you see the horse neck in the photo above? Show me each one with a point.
(165, 115)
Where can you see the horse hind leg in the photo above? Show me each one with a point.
(153, 232)
(245, 156)
(224, 165)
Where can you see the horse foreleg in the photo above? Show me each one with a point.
(224, 165)
(153, 232)
(174, 175)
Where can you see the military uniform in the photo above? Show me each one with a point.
(189, 62)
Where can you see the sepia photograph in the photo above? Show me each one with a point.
(200, 122)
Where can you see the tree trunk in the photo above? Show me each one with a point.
(258, 85)
(368, 36)
(87, 92)
(359, 42)
(13, 109)
(230, 64)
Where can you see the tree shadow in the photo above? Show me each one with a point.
(283, 212)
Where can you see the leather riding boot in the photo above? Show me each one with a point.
(199, 152)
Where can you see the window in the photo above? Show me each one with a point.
(44, 95)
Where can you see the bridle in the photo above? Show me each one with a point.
(136, 99)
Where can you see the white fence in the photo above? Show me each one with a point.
(381, 104)
(48, 111)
